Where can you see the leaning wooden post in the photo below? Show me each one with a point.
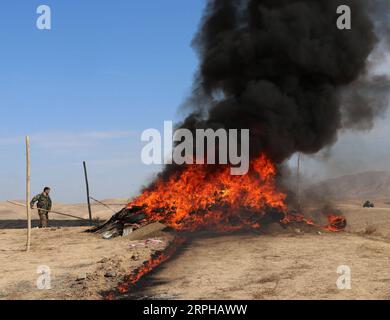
(28, 193)
(88, 197)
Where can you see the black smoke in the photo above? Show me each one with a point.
(283, 69)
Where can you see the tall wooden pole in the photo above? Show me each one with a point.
(28, 193)
(88, 196)
(299, 181)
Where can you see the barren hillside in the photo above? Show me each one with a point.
(366, 185)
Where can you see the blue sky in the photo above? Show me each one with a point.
(86, 89)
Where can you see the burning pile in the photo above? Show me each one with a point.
(283, 70)
(195, 199)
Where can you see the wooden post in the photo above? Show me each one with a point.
(28, 193)
(299, 181)
(88, 197)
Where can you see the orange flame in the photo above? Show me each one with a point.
(197, 198)
(297, 217)
(148, 266)
(336, 223)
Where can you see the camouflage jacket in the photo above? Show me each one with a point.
(43, 201)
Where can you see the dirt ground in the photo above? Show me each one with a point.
(292, 264)
(82, 265)
(274, 267)
(299, 263)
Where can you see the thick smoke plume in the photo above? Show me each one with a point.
(283, 69)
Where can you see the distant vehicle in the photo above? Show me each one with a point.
(368, 204)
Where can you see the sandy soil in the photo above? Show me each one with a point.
(82, 265)
(299, 263)
(273, 267)
(292, 264)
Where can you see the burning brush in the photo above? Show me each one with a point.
(284, 71)
(195, 199)
(288, 79)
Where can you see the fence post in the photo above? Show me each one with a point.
(88, 197)
(28, 193)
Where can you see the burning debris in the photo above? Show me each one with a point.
(122, 223)
(267, 67)
(148, 266)
(282, 70)
(336, 223)
(195, 199)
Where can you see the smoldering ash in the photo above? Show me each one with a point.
(283, 69)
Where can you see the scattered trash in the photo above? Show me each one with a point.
(135, 257)
(82, 276)
(141, 244)
(110, 274)
(298, 231)
(122, 223)
(154, 241)
(109, 234)
(137, 245)
(127, 231)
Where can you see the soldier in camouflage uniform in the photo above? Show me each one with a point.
(43, 202)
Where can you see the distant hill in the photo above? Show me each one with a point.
(364, 186)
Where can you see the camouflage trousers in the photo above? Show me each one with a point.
(43, 219)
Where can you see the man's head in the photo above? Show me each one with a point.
(46, 190)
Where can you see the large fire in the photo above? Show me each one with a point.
(195, 198)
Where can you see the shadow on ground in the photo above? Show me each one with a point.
(22, 224)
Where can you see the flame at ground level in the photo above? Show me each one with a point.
(197, 198)
(194, 198)
(336, 223)
(148, 266)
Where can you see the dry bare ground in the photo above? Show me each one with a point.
(274, 267)
(293, 264)
(82, 265)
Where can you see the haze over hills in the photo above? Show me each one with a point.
(365, 185)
